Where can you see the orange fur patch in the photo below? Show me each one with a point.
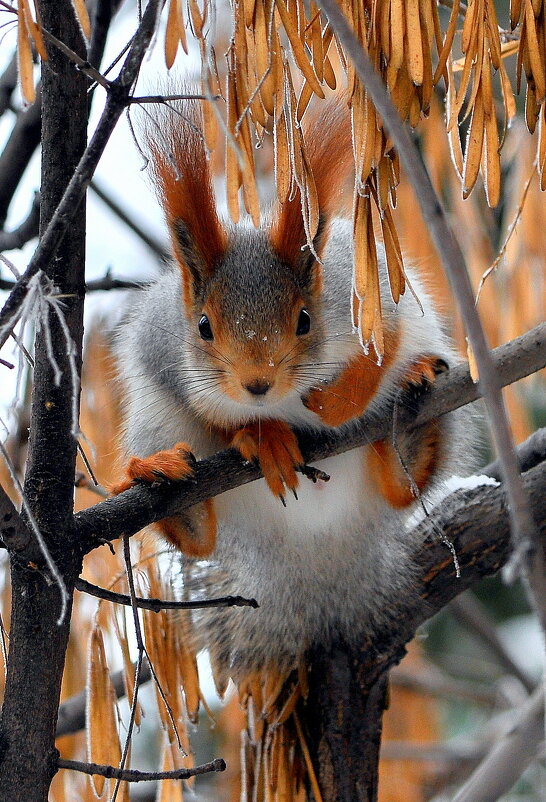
(274, 445)
(182, 174)
(173, 464)
(348, 396)
(328, 143)
(389, 475)
(200, 543)
(384, 463)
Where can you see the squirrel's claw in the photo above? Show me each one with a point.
(274, 445)
(421, 375)
(173, 465)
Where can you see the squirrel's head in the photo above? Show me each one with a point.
(254, 321)
(252, 297)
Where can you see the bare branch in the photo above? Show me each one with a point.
(153, 244)
(431, 681)
(8, 83)
(27, 230)
(509, 757)
(95, 285)
(116, 101)
(134, 776)
(72, 712)
(530, 454)
(526, 543)
(18, 150)
(156, 605)
(468, 610)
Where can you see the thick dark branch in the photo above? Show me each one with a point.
(156, 605)
(27, 230)
(134, 776)
(8, 83)
(143, 505)
(116, 101)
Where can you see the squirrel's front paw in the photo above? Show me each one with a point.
(173, 465)
(273, 445)
(421, 374)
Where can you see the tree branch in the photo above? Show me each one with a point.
(116, 101)
(142, 505)
(152, 243)
(469, 611)
(27, 230)
(156, 605)
(134, 776)
(509, 757)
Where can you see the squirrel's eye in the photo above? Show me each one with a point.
(304, 323)
(205, 329)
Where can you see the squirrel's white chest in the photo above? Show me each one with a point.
(348, 499)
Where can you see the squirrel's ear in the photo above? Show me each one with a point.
(328, 146)
(183, 181)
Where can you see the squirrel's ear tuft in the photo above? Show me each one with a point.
(328, 146)
(184, 185)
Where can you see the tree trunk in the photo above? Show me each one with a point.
(343, 716)
(37, 639)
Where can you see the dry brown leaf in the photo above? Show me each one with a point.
(25, 64)
(83, 17)
(103, 744)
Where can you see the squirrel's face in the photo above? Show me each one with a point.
(257, 326)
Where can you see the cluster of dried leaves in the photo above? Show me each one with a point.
(268, 93)
(282, 52)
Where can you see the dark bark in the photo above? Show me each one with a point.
(38, 639)
(18, 150)
(343, 715)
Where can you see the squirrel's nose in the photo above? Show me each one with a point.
(258, 386)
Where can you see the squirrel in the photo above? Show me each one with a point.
(247, 335)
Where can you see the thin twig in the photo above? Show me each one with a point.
(165, 99)
(134, 776)
(471, 613)
(141, 649)
(528, 552)
(511, 229)
(156, 605)
(116, 101)
(509, 757)
(83, 481)
(153, 244)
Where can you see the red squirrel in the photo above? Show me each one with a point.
(247, 335)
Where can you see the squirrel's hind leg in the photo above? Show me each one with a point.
(194, 530)
(403, 467)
